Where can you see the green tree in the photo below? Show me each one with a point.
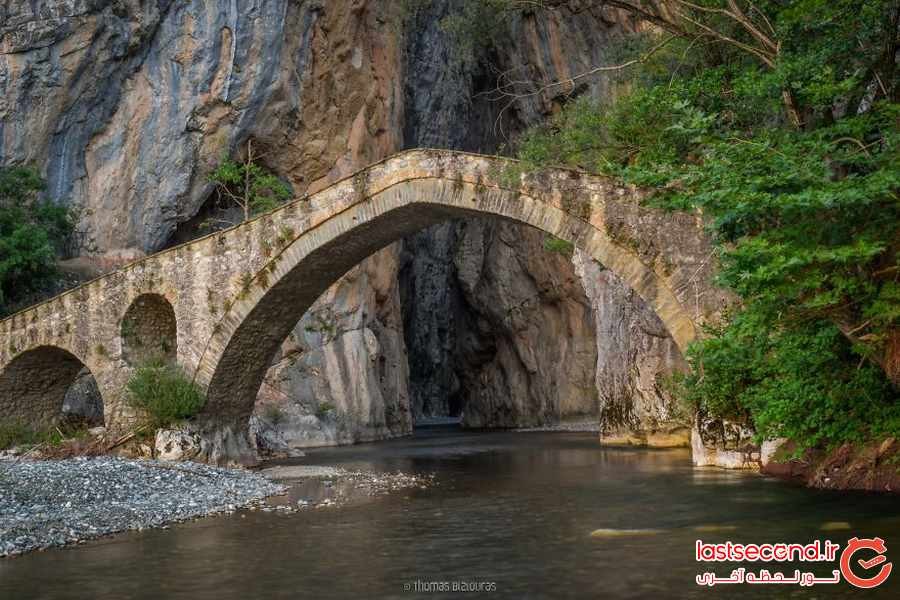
(801, 193)
(807, 51)
(248, 185)
(33, 232)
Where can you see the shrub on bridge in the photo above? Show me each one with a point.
(164, 392)
(559, 246)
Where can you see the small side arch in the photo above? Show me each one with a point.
(33, 385)
(149, 330)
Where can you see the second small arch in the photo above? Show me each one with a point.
(149, 331)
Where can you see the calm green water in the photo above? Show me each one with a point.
(511, 510)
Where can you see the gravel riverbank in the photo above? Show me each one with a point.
(312, 486)
(52, 503)
(585, 427)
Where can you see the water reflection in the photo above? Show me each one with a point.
(517, 509)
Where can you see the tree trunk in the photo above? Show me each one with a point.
(892, 357)
(247, 165)
(888, 358)
(790, 107)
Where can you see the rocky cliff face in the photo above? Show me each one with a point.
(498, 328)
(532, 355)
(341, 376)
(635, 355)
(127, 105)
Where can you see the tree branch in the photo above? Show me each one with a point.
(593, 71)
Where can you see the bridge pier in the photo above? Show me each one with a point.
(118, 414)
(226, 443)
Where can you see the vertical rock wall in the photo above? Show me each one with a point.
(497, 327)
(342, 375)
(635, 356)
(528, 350)
(127, 106)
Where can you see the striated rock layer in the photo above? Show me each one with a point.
(635, 356)
(498, 328)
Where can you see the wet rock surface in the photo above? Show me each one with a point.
(322, 487)
(723, 443)
(574, 427)
(54, 503)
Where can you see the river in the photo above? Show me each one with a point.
(511, 512)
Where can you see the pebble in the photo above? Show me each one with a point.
(346, 486)
(52, 503)
(586, 427)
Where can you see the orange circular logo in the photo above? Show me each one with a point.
(879, 547)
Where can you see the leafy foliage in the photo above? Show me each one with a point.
(18, 433)
(274, 414)
(807, 218)
(248, 185)
(804, 383)
(324, 410)
(164, 392)
(33, 232)
(560, 246)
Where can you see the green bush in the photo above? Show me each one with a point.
(325, 410)
(18, 433)
(33, 232)
(248, 185)
(805, 383)
(560, 246)
(165, 393)
(274, 414)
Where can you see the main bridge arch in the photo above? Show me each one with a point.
(238, 293)
(663, 256)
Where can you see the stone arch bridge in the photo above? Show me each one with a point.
(221, 305)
